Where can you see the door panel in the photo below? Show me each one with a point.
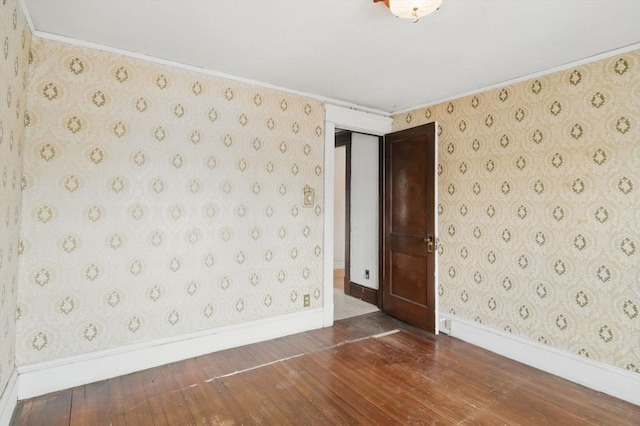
(408, 278)
(408, 165)
(409, 226)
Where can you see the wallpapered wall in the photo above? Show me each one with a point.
(14, 73)
(159, 201)
(540, 211)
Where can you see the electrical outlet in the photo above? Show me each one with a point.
(306, 301)
(366, 274)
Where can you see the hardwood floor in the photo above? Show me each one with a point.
(339, 375)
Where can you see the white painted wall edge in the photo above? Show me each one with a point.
(593, 374)
(327, 225)
(436, 217)
(51, 376)
(9, 399)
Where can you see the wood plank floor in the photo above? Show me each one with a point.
(334, 376)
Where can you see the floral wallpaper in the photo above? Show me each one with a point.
(14, 72)
(540, 210)
(159, 201)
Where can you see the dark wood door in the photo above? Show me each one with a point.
(409, 226)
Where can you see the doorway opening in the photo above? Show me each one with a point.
(358, 121)
(356, 236)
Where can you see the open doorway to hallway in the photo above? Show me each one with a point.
(355, 265)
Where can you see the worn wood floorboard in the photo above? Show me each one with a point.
(191, 387)
(335, 376)
(22, 411)
(88, 405)
(335, 410)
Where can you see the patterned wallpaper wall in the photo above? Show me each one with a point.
(540, 208)
(159, 201)
(14, 73)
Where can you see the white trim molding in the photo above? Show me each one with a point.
(52, 376)
(86, 44)
(9, 399)
(357, 120)
(436, 227)
(594, 58)
(327, 238)
(593, 374)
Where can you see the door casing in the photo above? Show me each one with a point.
(371, 122)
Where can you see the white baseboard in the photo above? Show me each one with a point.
(9, 399)
(595, 375)
(51, 376)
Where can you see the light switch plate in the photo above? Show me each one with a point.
(308, 196)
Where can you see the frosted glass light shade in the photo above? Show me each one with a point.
(413, 9)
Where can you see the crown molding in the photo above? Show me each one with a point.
(526, 77)
(205, 71)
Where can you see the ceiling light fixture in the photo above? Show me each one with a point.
(411, 9)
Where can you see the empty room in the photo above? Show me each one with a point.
(319, 212)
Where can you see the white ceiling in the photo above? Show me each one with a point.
(353, 50)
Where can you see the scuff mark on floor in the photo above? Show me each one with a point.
(254, 368)
(277, 361)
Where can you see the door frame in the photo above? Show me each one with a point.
(344, 139)
(375, 123)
